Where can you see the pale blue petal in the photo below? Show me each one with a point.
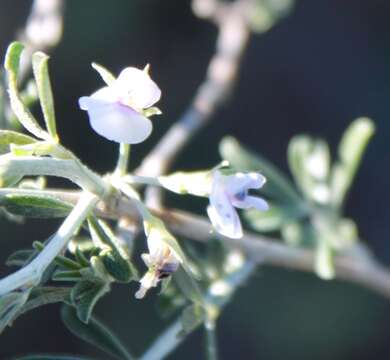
(223, 216)
(116, 122)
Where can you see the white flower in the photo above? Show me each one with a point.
(162, 261)
(228, 192)
(116, 110)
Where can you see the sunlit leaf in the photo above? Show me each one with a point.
(23, 114)
(41, 74)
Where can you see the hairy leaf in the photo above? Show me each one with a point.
(41, 74)
(35, 205)
(23, 114)
(85, 294)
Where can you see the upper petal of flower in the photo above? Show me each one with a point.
(222, 214)
(115, 121)
(136, 88)
(242, 181)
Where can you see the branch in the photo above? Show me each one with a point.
(233, 35)
(362, 269)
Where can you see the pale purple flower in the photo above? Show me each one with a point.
(228, 192)
(116, 111)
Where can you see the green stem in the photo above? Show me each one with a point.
(123, 159)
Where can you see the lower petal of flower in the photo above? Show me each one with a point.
(223, 216)
(116, 122)
(251, 202)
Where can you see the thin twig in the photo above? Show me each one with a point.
(233, 35)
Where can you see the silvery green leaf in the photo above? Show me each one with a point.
(351, 150)
(299, 150)
(8, 137)
(115, 259)
(94, 333)
(37, 206)
(23, 114)
(85, 294)
(10, 304)
(67, 275)
(106, 75)
(41, 74)
(309, 161)
(277, 186)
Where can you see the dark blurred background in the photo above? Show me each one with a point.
(314, 72)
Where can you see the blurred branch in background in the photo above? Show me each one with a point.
(233, 35)
(43, 30)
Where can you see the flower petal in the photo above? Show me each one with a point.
(242, 181)
(251, 202)
(116, 122)
(135, 87)
(223, 216)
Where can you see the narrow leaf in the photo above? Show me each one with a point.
(12, 60)
(95, 333)
(67, 275)
(8, 137)
(36, 206)
(351, 150)
(41, 74)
